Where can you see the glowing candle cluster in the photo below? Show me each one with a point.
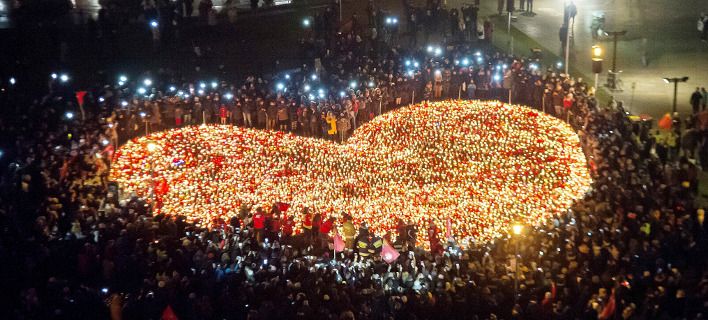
(479, 165)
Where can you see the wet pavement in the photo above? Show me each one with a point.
(666, 28)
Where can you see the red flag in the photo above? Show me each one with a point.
(168, 314)
(282, 207)
(609, 308)
(80, 97)
(338, 243)
(389, 253)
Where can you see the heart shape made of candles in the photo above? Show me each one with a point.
(472, 168)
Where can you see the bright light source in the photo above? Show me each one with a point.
(438, 51)
(505, 66)
(321, 95)
(437, 71)
(101, 99)
(497, 77)
(306, 88)
(430, 49)
(280, 86)
(410, 73)
(147, 82)
(311, 97)
(124, 103)
(143, 114)
(123, 78)
(596, 51)
(559, 64)
(154, 23)
(342, 94)
(306, 22)
(479, 60)
(371, 84)
(313, 77)
(517, 229)
(54, 76)
(202, 85)
(465, 62)
(408, 63)
(478, 54)
(69, 115)
(13, 81)
(416, 64)
(121, 83)
(142, 90)
(105, 142)
(180, 93)
(214, 84)
(353, 84)
(172, 88)
(228, 96)
(200, 92)
(151, 147)
(287, 76)
(64, 78)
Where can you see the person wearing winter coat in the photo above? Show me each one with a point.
(332, 122)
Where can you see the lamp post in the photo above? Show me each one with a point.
(612, 75)
(675, 82)
(517, 230)
(596, 62)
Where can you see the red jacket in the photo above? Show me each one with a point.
(259, 221)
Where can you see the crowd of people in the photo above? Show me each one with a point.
(75, 247)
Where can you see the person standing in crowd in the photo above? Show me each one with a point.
(259, 224)
(349, 232)
(343, 126)
(696, 98)
(271, 115)
(248, 110)
(704, 99)
(331, 122)
(261, 116)
(283, 118)
(703, 26)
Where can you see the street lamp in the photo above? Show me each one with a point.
(517, 229)
(676, 82)
(596, 62)
(612, 74)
